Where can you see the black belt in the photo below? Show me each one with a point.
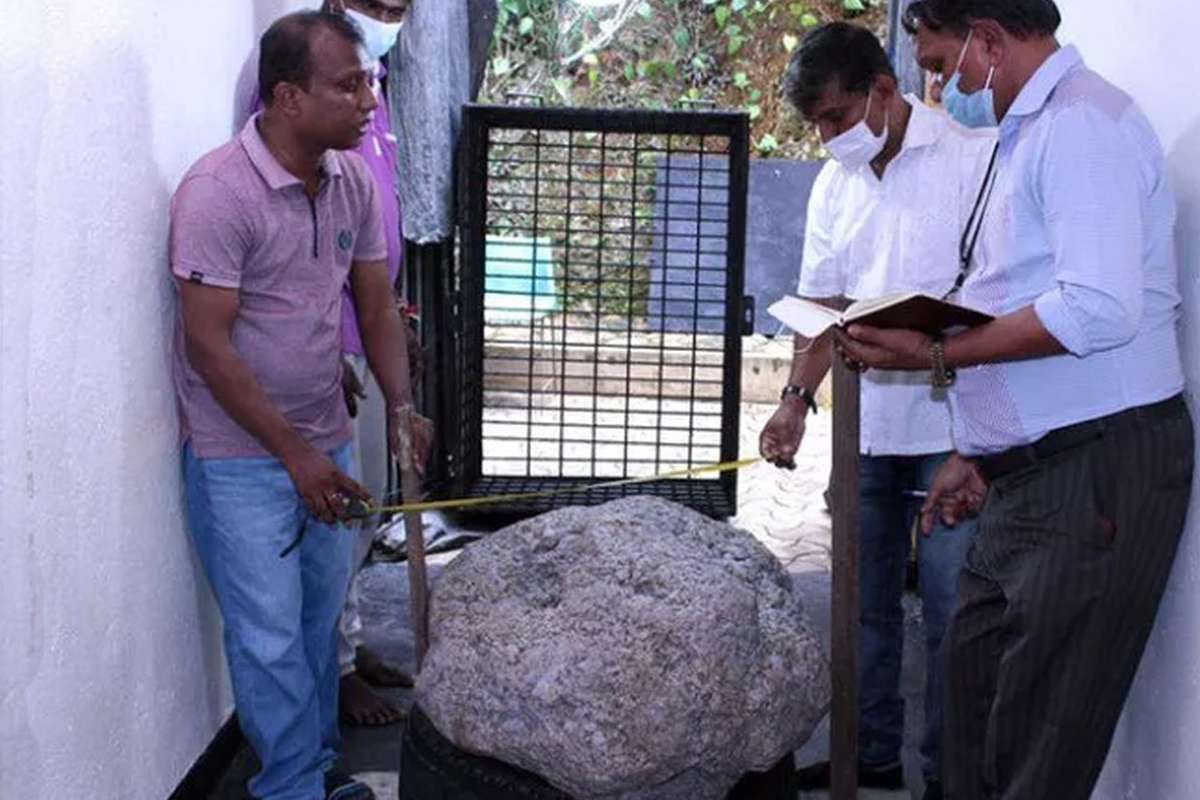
(1072, 436)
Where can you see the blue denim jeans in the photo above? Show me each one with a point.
(280, 614)
(887, 518)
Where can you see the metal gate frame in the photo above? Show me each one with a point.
(464, 427)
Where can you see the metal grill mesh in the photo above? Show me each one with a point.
(602, 301)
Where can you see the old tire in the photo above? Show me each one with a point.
(433, 768)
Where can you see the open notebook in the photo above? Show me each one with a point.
(911, 310)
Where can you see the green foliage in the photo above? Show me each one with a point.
(665, 54)
(730, 53)
(526, 32)
(854, 7)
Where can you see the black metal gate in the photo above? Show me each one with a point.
(601, 304)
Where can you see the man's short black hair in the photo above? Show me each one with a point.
(838, 54)
(285, 51)
(1023, 19)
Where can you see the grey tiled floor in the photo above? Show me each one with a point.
(785, 509)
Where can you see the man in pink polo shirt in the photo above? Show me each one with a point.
(380, 22)
(265, 231)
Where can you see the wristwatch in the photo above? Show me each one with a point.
(942, 377)
(799, 391)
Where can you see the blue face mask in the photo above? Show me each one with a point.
(974, 110)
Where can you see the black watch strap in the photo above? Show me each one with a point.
(801, 392)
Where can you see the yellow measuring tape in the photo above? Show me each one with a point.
(497, 499)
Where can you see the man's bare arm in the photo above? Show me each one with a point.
(385, 339)
(1013, 337)
(384, 336)
(781, 437)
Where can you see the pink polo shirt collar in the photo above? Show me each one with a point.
(274, 173)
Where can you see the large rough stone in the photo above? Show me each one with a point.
(631, 650)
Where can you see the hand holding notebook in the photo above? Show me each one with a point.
(909, 310)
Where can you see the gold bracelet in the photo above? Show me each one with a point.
(941, 377)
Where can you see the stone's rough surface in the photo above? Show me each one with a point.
(631, 650)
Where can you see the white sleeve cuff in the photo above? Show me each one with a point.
(1054, 313)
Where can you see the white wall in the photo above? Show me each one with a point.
(111, 678)
(1149, 49)
(111, 674)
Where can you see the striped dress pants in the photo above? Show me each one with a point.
(1055, 603)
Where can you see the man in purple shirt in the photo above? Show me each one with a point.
(380, 22)
(265, 231)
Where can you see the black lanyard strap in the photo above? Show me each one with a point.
(970, 235)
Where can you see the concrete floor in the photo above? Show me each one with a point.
(783, 509)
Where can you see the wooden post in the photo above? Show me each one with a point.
(418, 587)
(845, 601)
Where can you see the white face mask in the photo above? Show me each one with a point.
(859, 145)
(379, 36)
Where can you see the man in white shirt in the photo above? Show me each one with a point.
(886, 215)
(1071, 431)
